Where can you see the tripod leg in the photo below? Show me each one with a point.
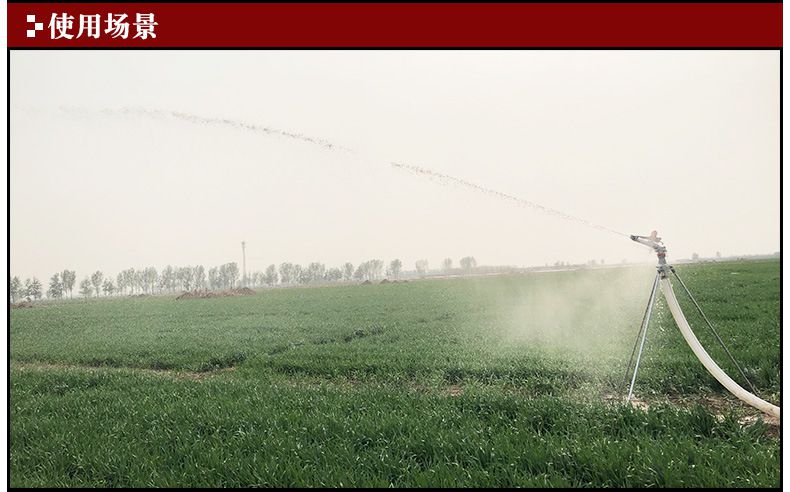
(721, 342)
(638, 336)
(645, 323)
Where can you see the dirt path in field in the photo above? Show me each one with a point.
(171, 373)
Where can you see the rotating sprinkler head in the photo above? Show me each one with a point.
(654, 242)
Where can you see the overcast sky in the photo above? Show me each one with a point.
(685, 142)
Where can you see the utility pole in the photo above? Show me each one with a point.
(243, 265)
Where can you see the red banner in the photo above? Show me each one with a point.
(354, 25)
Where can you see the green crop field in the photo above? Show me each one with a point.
(480, 381)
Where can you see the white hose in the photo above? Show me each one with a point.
(710, 365)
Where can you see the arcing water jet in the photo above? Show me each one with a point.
(204, 120)
(270, 131)
(520, 201)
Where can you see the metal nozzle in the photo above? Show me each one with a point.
(654, 242)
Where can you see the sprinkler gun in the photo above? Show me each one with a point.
(654, 242)
(662, 278)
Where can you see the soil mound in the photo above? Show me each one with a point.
(206, 294)
(366, 282)
(22, 304)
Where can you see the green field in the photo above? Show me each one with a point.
(487, 381)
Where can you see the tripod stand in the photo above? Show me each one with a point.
(661, 275)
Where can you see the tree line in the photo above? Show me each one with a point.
(227, 276)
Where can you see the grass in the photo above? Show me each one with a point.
(494, 381)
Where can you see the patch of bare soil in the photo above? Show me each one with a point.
(366, 282)
(718, 405)
(206, 294)
(21, 304)
(174, 374)
(773, 423)
(451, 390)
(455, 390)
(634, 402)
(418, 387)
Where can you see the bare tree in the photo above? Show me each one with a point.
(395, 268)
(85, 287)
(96, 280)
(120, 282)
(468, 263)
(447, 265)
(348, 271)
(304, 276)
(369, 270)
(150, 276)
(271, 275)
(34, 289)
(421, 266)
(186, 276)
(362, 271)
(316, 271)
(333, 274)
(214, 280)
(129, 276)
(232, 273)
(15, 289)
(138, 278)
(68, 277)
(167, 280)
(297, 273)
(376, 269)
(286, 273)
(199, 274)
(55, 290)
